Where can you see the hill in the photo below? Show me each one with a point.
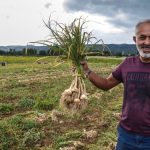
(19, 47)
(115, 49)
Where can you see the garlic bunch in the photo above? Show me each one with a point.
(75, 98)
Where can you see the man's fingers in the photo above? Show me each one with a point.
(82, 62)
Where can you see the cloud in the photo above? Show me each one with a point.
(47, 5)
(7, 16)
(120, 13)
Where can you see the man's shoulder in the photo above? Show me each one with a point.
(132, 59)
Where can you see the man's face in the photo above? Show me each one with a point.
(142, 40)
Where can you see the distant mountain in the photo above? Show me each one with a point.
(19, 48)
(114, 48)
(122, 48)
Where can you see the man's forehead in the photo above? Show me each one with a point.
(142, 33)
(143, 29)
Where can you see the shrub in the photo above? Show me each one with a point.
(44, 105)
(26, 103)
(7, 136)
(6, 108)
(23, 124)
(31, 137)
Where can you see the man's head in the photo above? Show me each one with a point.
(142, 38)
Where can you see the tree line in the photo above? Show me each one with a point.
(50, 52)
(55, 50)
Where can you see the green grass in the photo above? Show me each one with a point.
(5, 108)
(29, 90)
(18, 59)
(26, 103)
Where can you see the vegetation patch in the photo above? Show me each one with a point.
(6, 108)
(30, 113)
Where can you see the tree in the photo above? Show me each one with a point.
(42, 53)
(2, 52)
(11, 52)
(29, 51)
(106, 53)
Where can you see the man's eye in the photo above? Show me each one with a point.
(142, 38)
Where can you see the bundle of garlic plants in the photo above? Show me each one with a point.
(73, 41)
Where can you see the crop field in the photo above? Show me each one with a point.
(31, 117)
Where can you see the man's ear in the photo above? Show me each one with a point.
(134, 39)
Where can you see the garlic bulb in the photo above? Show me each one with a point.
(75, 90)
(83, 97)
(76, 100)
(68, 92)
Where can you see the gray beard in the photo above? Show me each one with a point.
(142, 54)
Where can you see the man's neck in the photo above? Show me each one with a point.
(145, 60)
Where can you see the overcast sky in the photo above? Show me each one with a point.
(21, 21)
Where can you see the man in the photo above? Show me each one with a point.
(134, 73)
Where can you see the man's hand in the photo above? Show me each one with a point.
(84, 66)
(86, 69)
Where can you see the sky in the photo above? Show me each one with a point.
(21, 21)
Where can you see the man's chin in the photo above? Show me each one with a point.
(145, 55)
(144, 52)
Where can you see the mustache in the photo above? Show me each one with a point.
(145, 46)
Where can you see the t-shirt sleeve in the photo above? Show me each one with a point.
(117, 72)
